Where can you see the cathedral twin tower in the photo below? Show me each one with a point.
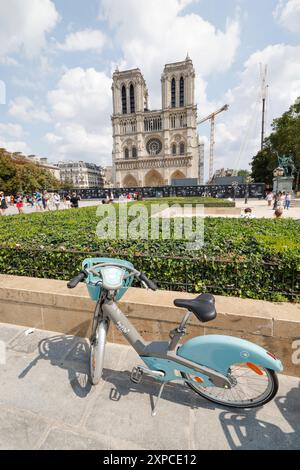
(154, 148)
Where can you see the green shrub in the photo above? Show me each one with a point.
(254, 258)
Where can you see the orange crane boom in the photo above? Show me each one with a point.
(211, 117)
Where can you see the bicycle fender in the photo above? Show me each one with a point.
(219, 352)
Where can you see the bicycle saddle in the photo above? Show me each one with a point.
(202, 306)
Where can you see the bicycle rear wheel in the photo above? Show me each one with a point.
(249, 389)
(97, 352)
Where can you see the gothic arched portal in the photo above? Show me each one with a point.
(130, 182)
(154, 178)
(177, 175)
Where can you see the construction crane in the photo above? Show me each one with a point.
(211, 118)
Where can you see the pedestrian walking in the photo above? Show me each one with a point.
(269, 198)
(3, 203)
(56, 200)
(46, 201)
(38, 201)
(75, 201)
(287, 201)
(20, 203)
(68, 201)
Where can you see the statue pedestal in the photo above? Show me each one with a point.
(283, 184)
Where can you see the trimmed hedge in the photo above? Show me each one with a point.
(206, 201)
(255, 258)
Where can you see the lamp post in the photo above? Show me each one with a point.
(297, 181)
(234, 185)
(248, 181)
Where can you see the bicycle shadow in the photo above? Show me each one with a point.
(242, 429)
(289, 406)
(246, 431)
(177, 393)
(71, 353)
(68, 352)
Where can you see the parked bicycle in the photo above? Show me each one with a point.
(223, 369)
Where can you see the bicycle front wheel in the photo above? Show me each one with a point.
(97, 352)
(249, 389)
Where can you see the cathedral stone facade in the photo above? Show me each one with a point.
(154, 148)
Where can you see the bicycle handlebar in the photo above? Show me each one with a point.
(84, 273)
(75, 280)
(143, 278)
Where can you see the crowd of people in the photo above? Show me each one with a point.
(280, 201)
(126, 197)
(40, 200)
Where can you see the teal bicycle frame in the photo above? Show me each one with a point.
(208, 358)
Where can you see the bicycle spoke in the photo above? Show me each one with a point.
(246, 389)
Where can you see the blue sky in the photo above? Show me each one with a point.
(57, 57)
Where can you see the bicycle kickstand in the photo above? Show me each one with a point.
(157, 399)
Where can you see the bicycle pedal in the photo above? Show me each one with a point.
(136, 375)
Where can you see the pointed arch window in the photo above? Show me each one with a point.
(132, 100)
(174, 149)
(134, 152)
(173, 93)
(182, 148)
(124, 100)
(126, 153)
(181, 92)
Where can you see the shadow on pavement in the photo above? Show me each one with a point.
(70, 353)
(289, 407)
(173, 392)
(242, 429)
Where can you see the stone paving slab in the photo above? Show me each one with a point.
(46, 402)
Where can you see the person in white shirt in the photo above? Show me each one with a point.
(56, 200)
(269, 198)
(247, 214)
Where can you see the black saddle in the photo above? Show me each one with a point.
(202, 306)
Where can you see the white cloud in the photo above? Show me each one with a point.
(14, 145)
(24, 24)
(83, 96)
(287, 13)
(12, 130)
(24, 109)
(9, 61)
(73, 141)
(81, 107)
(238, 130)
(153, 33)
(88, 39)
(11, 136)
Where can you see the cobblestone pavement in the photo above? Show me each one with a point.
(46, 402)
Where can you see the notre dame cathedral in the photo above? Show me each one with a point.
(154, 148)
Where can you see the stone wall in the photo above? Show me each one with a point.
(50, 305)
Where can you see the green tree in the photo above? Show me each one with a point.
(283, 140)
(244, 173)
(19, 175)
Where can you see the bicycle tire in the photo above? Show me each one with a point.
(256, 402)
(97, 352)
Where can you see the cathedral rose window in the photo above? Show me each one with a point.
(154, 146)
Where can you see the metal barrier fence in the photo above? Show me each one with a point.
(255, 190)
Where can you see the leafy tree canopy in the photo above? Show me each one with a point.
(19, 175)
(283, 140)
